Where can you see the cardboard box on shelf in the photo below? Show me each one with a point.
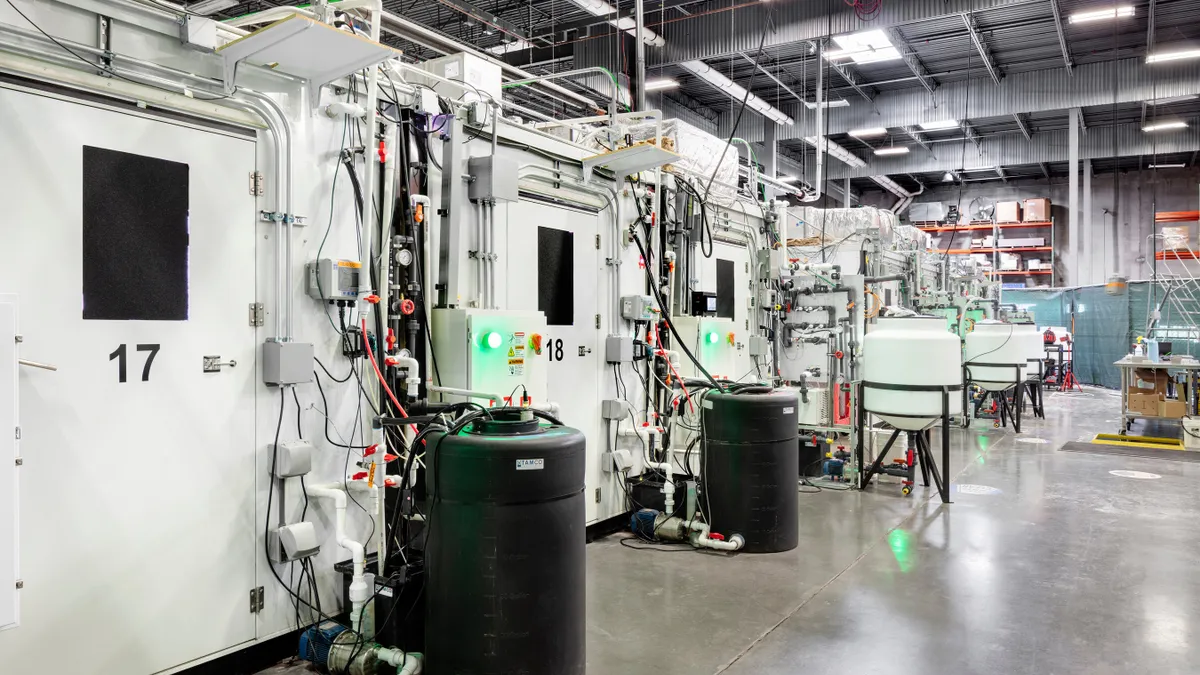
(1176, 238)
(989, 241)
(1033, 263)
(1013, 242)
(1008, 212)
(1150, 380)
(1144, 403)
(1010, 262)
(1037, 210)
(1173, 409)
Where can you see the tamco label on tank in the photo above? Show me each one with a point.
(531, 464)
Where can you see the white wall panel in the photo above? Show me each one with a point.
(9, 530)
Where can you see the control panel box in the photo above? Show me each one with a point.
(715, 343)
(328, 279)
(639, 308)
(492, 352)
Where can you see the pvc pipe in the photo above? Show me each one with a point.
(406, 663)
(702, 539)
(359, 592)
(413, 381)
(491, 263)
(467, 393)
(344, 108)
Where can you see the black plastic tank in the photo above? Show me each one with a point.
(750, 468)
(505, 551)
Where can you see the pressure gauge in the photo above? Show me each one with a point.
(404, 257)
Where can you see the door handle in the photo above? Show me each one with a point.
(213, 364)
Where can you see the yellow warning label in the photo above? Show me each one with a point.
(516, 362)
(511, 353)
(349, 263)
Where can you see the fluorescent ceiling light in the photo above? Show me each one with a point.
(508, 47)
(207, 7)
(1172, 99)
(948, 177)
(868, 132)
(787, 179)
(840, 103)
(870, 46)
(1173, 56)
(1101, 14)
(1166, 166)
(736, 91)
(936, 126)
(892, 150)
(663, 83)
(1162, 126)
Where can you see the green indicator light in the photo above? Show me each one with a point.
(492, 340)
(711, 338)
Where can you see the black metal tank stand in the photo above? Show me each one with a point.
(1034, 387)
(918, 452)
(1009, 409)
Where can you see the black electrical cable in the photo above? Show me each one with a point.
(331, 376)
(742, 107)
(663, 304)
(325, 404)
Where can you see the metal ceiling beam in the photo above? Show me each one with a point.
(1004, 150)
(771, 75)
(1000, 172)
(969, 132)
(603, 19)
(1023, 125)
(1062, 37)
(915, 134)
(1045, 169)
(852, 80)
(1150, 28)
(483, 16)
(973, 30)
(712, 34)
(1082, 122)
(910, 59)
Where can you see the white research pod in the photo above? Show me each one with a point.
(905, 361)
(996, 354)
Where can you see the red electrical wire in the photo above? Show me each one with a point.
(371, 357)
(660, 352)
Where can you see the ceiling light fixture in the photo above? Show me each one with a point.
(870, 46)
(1102, 14)
(840, 103)
(948, 177)
(736, 91)
(787, 179)
(1173, 56)
(660, 84)
(1166, 166)
(868, 132)
(938, 126)
(1163, 126)
(892, 150)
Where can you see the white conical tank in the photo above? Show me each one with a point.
(908, 352)
(1001, 347)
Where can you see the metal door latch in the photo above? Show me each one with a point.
(584, 351)
(213, 364)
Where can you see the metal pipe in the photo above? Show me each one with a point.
(612, 109)
(639, 58)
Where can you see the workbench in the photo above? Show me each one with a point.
(1127, 366)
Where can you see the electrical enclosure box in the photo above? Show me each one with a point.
(293, 458)
(483, 76)
(714, 342)
(287, 362)
(759, 346)
(491, 351)
(638, 308)
(618, 349)
(329, 279)
(493, 179)
(612, 409)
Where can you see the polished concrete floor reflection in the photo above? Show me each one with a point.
(1046, 563)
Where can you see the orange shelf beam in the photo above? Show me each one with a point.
(968, 228)
(1176, 216)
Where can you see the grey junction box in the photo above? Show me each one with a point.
(493, 179)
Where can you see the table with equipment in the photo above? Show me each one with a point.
(1128, 365)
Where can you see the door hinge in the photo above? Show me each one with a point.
(257, 600)
(20, 584)
(597, 242)
(597, 322)
(256, 184)
(598, 495)
(257, 312)
(18, 433)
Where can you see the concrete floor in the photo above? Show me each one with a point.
(1054, 566)
(1045, 564)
